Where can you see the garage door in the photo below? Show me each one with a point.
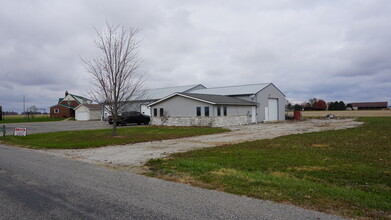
(273, 109)
(82, 116)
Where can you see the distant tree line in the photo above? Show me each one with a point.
(33, 113)
(10, 113)
(315, 104)
(338, 105)
(32, 110)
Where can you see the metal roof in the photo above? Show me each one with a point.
(154, 94)
(370, 104)
(219, 99)
(233, 90)
(75, 97)
(211, 99)
(80, 97)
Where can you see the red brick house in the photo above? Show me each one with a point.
(65, 108)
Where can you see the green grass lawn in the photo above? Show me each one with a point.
(23, 118)
(344, 172)
(98, 138)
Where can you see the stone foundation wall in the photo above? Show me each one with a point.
(218, 121)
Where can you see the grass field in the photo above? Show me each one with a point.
(24, 118)
(360, 113)
(344, 172)
(98, 138)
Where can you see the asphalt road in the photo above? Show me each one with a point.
(34, 185)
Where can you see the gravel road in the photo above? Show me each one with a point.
(137, 154)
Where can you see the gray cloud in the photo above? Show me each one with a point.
(326, 49)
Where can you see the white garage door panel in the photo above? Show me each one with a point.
(273, 109)
(82, 116)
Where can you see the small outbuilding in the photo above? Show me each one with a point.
(88, 112)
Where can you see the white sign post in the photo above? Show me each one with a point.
(20, 132)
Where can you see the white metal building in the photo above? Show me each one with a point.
(242, 104)
(270, 100)
(191, 109)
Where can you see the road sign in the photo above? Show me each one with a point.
(20, 132)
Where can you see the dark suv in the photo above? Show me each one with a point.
(131, 117)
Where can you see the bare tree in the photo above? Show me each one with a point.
(312, 101)
(116, 78)
(31, 111)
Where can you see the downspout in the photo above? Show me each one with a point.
(256, 107)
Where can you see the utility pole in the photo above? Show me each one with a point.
(24, 104)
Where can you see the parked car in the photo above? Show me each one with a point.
(131, 117)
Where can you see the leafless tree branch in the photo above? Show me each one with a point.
(116, 79)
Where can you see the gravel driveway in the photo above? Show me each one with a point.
(139, 153)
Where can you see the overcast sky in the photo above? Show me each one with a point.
(333, 50)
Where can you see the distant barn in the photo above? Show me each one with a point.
(369, 105)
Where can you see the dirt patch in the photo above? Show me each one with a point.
(321, 145)
(356, 113)
(137, 154)
(307, 168)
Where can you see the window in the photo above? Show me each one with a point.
(225, 110)
(218, 110)
(198, 111)
(155, 112)
(56, 111)
(206, 111)
(161, 112)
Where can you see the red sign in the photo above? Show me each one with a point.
(20, 132)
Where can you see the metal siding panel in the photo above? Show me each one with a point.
(233, 90)
(262, 98)
(145, 110)
(180, 106)
(95, 115)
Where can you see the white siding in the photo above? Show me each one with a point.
(145, 110)
(178, 106)
(95, 114)
(263, 96)
(82, 113)
(68, 98)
